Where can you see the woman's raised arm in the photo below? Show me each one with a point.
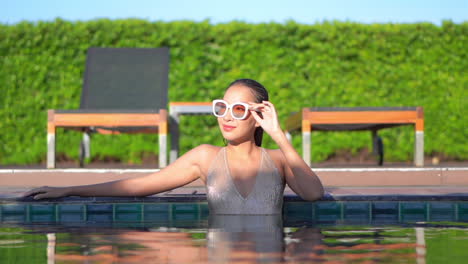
(298, 174)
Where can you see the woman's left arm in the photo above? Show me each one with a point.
(299, 176)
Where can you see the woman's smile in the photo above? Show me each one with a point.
(228, 128)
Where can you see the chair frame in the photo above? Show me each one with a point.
(307, 119)
(80, 120)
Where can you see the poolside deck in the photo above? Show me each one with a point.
(436, 183)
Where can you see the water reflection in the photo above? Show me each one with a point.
(230, 239)
(132, 246)
(245, 238)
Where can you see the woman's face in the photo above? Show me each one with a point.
(235, 130)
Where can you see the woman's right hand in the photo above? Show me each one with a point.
(47, 192)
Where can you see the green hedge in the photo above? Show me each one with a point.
(328, 64)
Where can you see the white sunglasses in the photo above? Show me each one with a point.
(239, 110)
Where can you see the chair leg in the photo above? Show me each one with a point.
(174, 131)
(85, 148)
(50, 140)
(419, 149)
(50, 150)
(162, 150)
(378, 147)
(306, 147)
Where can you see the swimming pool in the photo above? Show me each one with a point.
(185, 232)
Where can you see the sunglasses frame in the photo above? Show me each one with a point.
(230, 107)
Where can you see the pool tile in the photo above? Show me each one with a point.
(42, 217)
(413, 206)
(462, 207)
(385, 212)
(413, 211)
(441, 211)
(298, 208)
(99, 208)
(462, 211)
(13, 208)
(185, 216)
(383, 207)
(298, 211)
(100, 217)
(357, 211)
(42, 208)
(443, 206)
(71, 208)
(185, 207)
(204, 209)
(328, 211)
(21, 218)
(156, 216)
(128, 208)
(72, 217)
(356, 206)
(128, 217)
(156, 207)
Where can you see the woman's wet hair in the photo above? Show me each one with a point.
(260, 94)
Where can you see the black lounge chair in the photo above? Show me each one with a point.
(124, 91)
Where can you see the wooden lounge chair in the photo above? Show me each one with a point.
(357, 118)
(124, 91)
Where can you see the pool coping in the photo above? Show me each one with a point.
(190, 198)
(341, 184)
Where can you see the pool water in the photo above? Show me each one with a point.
(335, 232)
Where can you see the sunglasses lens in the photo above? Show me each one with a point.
(238, 111)
(220, 109)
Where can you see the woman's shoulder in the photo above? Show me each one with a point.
(205, 152)
(201, 153)
(207, 149)
(277, 156)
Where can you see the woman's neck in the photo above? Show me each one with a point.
(245, 149)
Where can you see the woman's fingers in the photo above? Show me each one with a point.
(42, 192)
(255, 106)
(28, 193)
(263, 107)
(256, 116)
(40, 196)
(33, 191)
(269, 104)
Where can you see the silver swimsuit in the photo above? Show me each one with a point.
(265, 198)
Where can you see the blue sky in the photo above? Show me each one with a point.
(252, 11)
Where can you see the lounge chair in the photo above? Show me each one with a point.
(124, 91)
(358, 118)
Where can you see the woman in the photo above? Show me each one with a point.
(241, 178)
